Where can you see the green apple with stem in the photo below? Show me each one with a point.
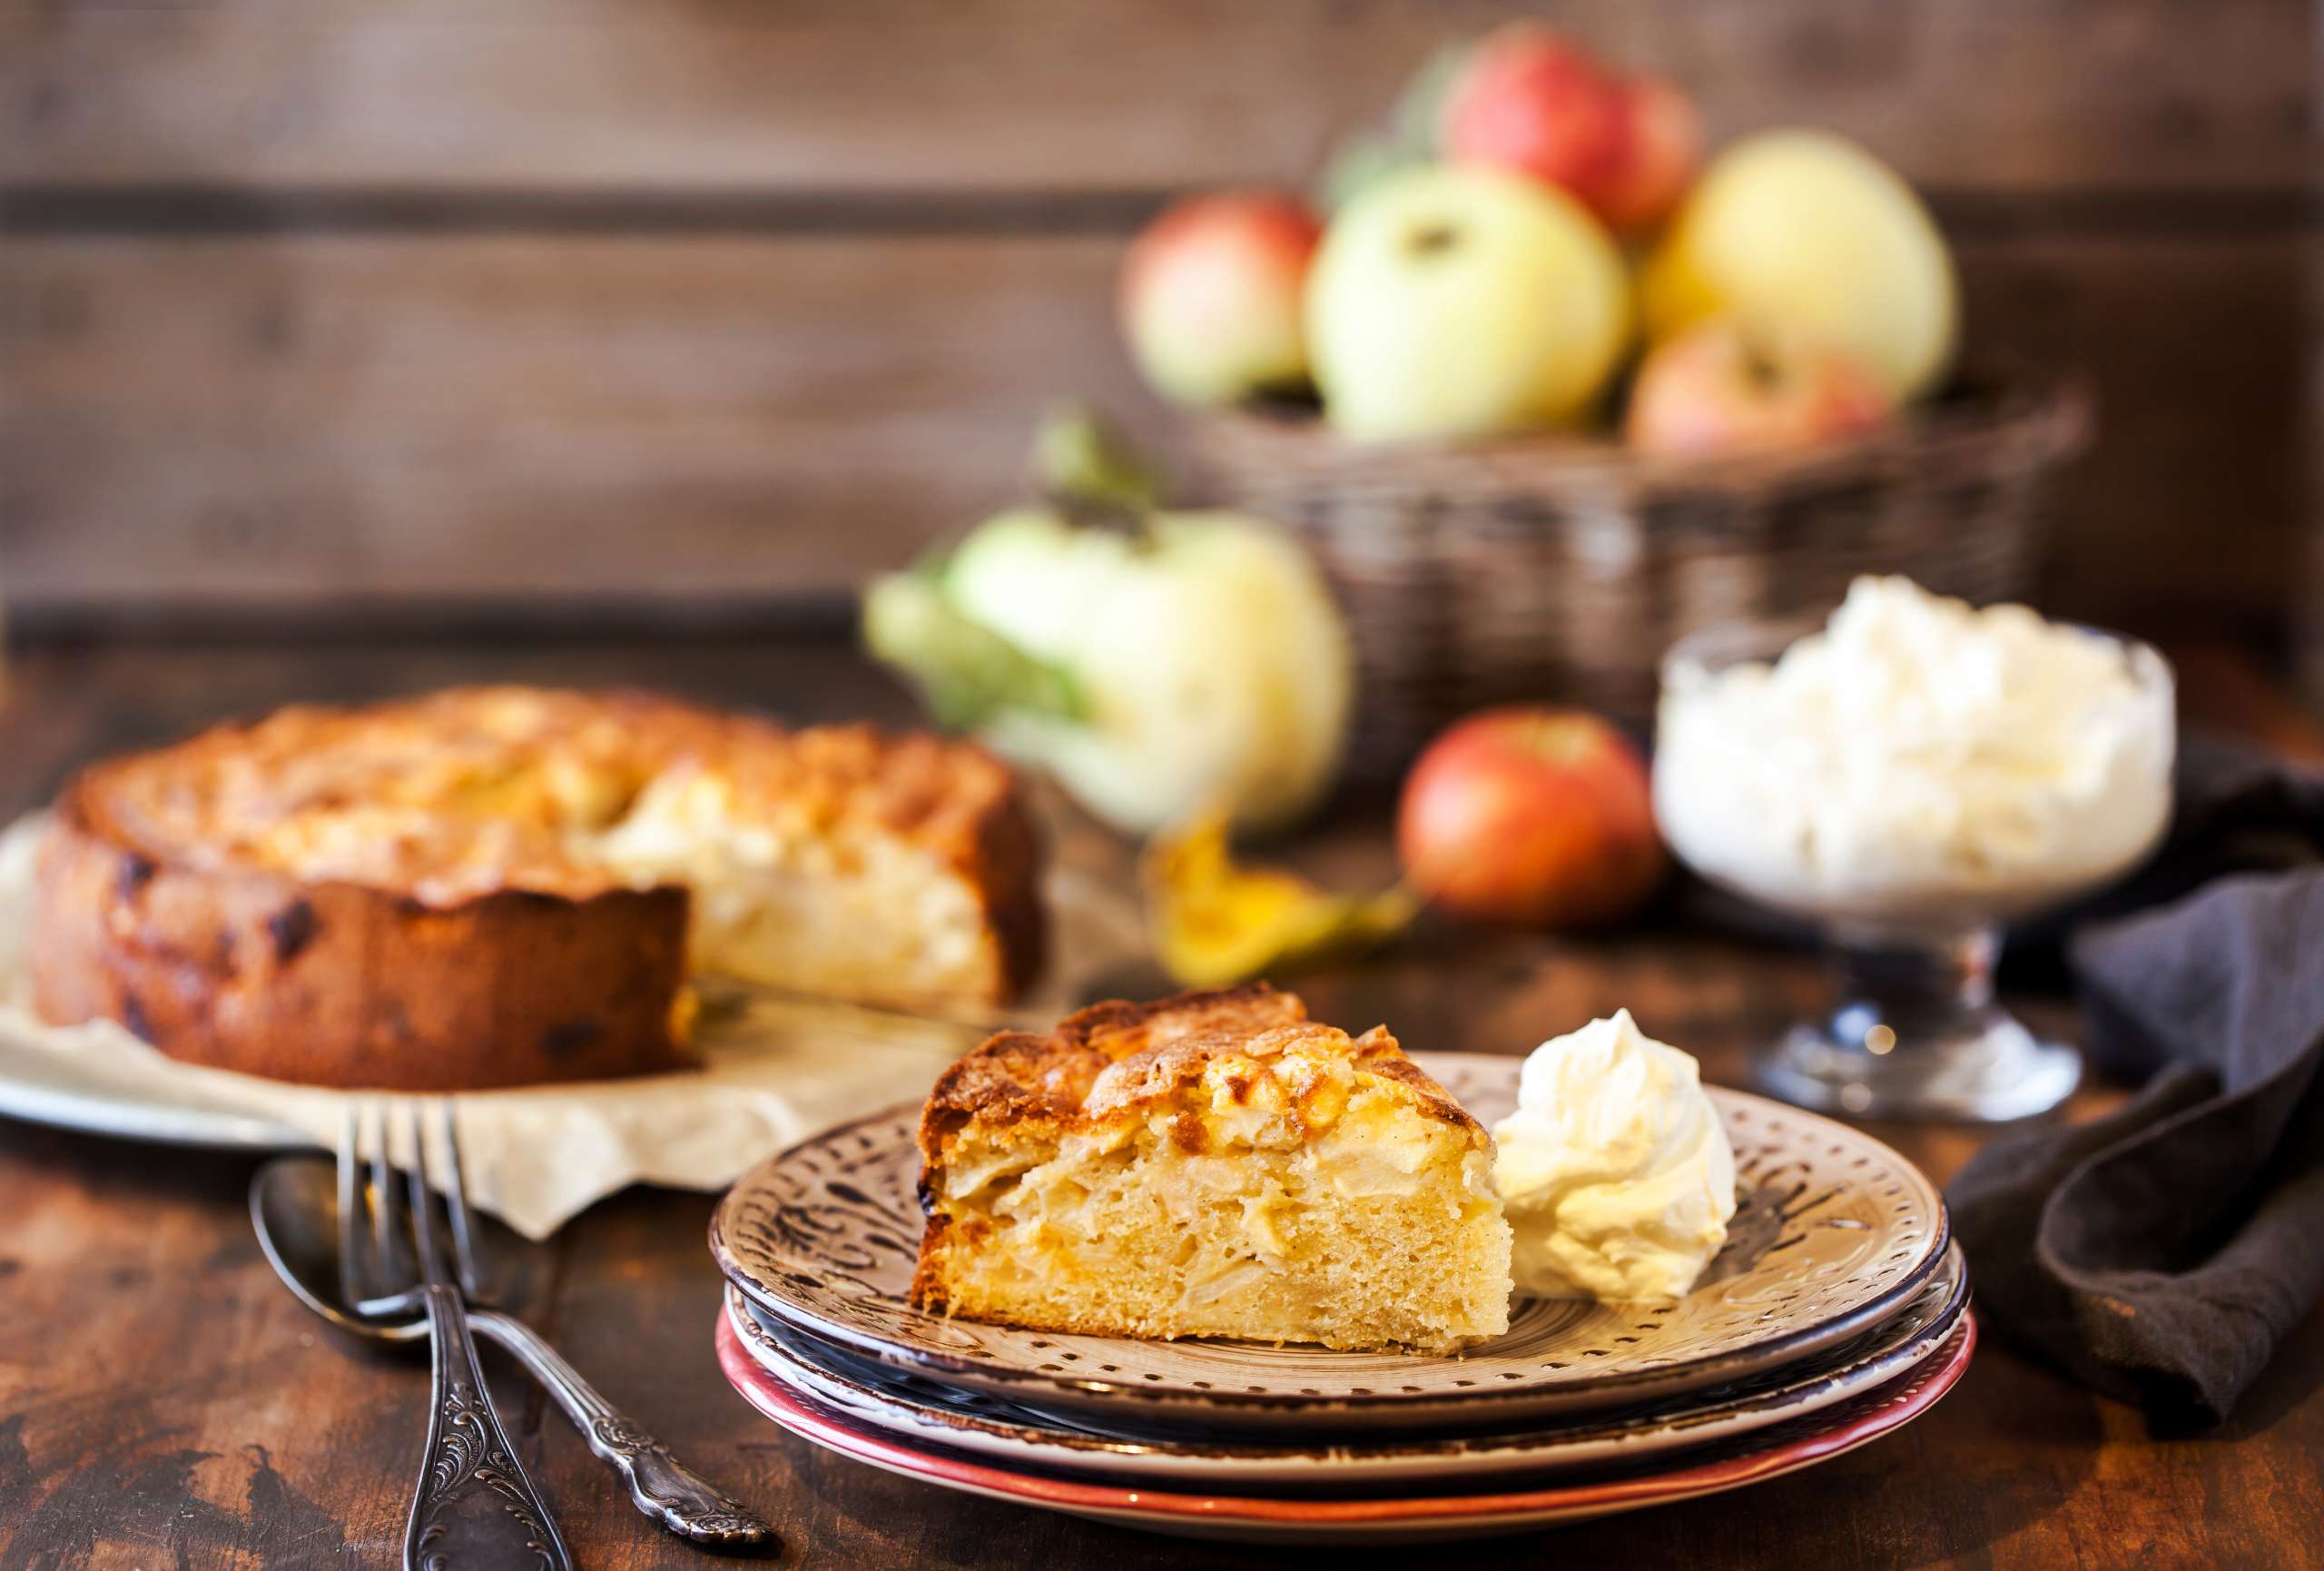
(1453, 301)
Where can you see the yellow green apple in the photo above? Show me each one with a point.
(1807, 233)
(1449, 300)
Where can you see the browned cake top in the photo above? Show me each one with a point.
(476, 788)
(1117, 1059)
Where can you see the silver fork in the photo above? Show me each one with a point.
(473, 1509)
(663, 1488)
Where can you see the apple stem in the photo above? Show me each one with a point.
(1432, 238)
(1091, 473)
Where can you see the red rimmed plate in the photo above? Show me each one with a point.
(922, 1412)
(1408, 1518)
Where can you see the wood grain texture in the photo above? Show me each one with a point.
(673, 302)
(1016, 94)
(275, 421)
(657, 418)
(2194, 494)
(163, 1401)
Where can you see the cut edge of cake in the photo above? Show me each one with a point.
(1213, 1164)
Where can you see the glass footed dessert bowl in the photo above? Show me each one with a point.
(1909, 778)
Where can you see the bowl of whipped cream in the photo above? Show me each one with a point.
(1909, 776)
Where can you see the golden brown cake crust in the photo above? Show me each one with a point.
(217, 898)
(1017, 1076)
(1117, 1061)
(285, 791)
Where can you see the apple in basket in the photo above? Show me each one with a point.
(1808, 230)
(1721, 388)
(1531, 101)
(1530, 814)
(1210, 296)
(1454, 302)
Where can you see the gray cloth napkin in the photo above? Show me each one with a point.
(2162, 1252)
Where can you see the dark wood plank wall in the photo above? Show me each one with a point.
(690, 303)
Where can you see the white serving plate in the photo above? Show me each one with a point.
(49, 1088)
(100, 1079)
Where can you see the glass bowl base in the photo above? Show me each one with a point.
(1995, 1073)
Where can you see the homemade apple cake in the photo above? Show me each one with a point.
(1216, 1164)
(502, 885)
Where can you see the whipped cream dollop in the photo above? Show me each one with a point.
(1614, 1171)
(1918, 762)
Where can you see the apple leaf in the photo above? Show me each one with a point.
(1217, 922)
(1359, 163)
(1410, 135)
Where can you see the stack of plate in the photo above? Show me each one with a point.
(1837, 1312)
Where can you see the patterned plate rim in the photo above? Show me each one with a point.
(1875, 1413)
(1491, 1452)
(1075, 1391)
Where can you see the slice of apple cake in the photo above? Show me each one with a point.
(1216, 1164)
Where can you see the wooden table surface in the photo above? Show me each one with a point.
(164, 1403)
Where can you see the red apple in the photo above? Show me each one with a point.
(1531, 101)
(1211, 295)
(1718, 389)
(1532, 815)
(1661, 152)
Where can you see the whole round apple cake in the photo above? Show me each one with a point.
(503, 886)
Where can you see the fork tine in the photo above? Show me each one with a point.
(456, 1200)
(423, 1202)
(352, 1289)
(386, 1221)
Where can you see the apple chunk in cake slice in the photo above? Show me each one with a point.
(1213, 1165)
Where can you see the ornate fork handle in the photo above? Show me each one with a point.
(664, 1488)
(474, 1509)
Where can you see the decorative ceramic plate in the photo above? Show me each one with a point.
(922, 1412)
(1833, 1233)
(1259, 1518)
